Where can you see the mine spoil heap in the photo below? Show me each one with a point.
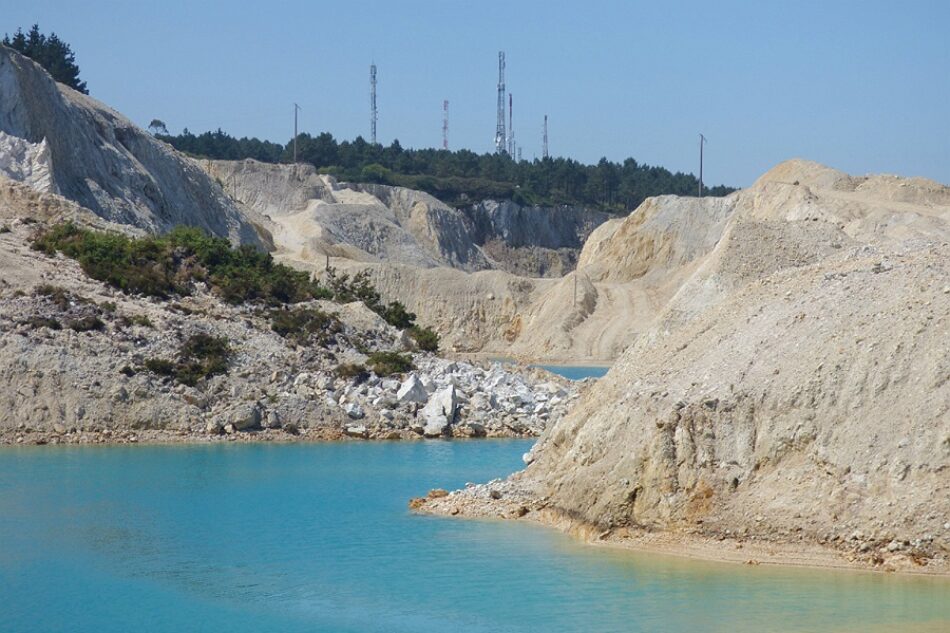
(795, 389)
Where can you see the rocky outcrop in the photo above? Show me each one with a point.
(314, 216)
(794, 390)
(58, 140)
(532, 241)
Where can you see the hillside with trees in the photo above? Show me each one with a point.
(459, 177)
(51, 53)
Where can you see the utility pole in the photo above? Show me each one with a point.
(544, 146)
(702, 141)
(296, 109)
(445, 124)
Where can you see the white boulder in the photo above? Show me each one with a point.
(412, 390)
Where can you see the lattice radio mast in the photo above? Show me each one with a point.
(500, 137)
(445, 124)
(374, 113)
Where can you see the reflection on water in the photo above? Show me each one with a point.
(318, 538)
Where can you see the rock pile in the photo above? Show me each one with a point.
(444, 398)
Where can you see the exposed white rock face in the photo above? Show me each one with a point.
(412, 390)
(77, 147)
(26, 162)
(314, 215)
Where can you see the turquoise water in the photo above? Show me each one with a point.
(576, 373)
(318, 538)
(571, 372)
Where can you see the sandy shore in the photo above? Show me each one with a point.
(21, 437)
(693, 545)
(523, 361)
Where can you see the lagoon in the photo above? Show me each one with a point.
(317, 537)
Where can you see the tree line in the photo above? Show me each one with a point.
(50, 52)
(458, 177)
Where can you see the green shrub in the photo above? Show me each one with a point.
(158, 366)
(199, 356)
(389, 363)
(425, 338)
(203, 356)
(303, 325)
(352, 371)
(396, 315)
(359, 288)
(4, 229)
(168, 265)
(108, 306)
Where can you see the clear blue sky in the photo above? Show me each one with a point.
(861, 86)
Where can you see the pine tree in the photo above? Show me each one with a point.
(51, 53)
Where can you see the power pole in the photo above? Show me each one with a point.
(544, 146)
(296, 109)
(445, 124)
(702, 141)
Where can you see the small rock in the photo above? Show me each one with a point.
(245, 417)
(354, 430)
(272, 420)
(354, 410)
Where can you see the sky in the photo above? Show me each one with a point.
(860, 86)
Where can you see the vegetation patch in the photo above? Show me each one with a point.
(460, 177)
(389, 363)
(169, 265)
(425, 338)
(303, 326)
(359, 288)
(352, 371)
(199, 356)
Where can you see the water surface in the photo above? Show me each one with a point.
(317, 538)
(572, 372)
